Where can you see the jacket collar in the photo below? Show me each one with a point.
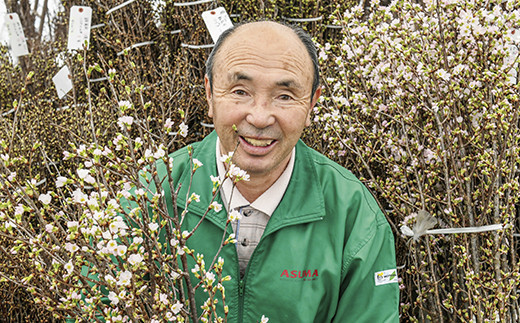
(303, 200)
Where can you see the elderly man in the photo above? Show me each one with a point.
(312, 243)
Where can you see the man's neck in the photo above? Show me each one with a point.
(257, 185)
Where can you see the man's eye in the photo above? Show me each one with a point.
(285, 97)
(240, 92)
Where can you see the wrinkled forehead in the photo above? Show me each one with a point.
(269, 42)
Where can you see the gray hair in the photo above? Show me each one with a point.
(304, 37)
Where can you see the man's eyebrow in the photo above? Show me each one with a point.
(238, 76)
(289, 84)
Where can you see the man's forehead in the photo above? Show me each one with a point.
(259, 26)
(266, 44)
(267, 35)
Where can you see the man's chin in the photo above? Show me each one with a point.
(260, 166)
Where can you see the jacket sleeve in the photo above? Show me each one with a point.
(369, 290)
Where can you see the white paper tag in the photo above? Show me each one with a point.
(63, 81)
(513, 54)
(515, 35)
(386, 277)
(79, 26)
(217, 21)
(512, 76)
(16, 35)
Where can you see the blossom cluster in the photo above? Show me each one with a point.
(233, 171)
(98, 233)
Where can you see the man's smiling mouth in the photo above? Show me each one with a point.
(258, 142)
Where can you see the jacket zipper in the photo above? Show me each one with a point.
(240, 299)
(242, 286)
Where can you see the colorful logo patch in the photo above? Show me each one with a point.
(386, 277)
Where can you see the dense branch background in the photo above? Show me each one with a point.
(462, 174)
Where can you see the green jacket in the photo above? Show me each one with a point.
(327, 253)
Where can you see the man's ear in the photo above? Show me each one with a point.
(314, 100)
(207, 85)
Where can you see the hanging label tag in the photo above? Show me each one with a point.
(512, 76)
(513, 55)
(16, 35)
(79, 26)
(63, 81)
(217, 21)
(511, 61)
(515, 35)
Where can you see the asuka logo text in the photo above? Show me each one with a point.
(309, 274)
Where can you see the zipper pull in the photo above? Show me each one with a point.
(241, 288)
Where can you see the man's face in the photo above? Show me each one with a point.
(262, 84)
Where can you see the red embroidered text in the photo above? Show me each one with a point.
(300, 273)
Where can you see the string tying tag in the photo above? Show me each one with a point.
(124, 4)
(135, 46)
(302, 19)
(193, 3)
(207, 125)
(424, 223)
(197, 46)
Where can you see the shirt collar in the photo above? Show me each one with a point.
(268, 201)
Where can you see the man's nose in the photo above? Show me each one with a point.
(261, 114)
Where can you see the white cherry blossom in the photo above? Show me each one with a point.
(45, 198)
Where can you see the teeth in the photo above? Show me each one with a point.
(258, 142)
